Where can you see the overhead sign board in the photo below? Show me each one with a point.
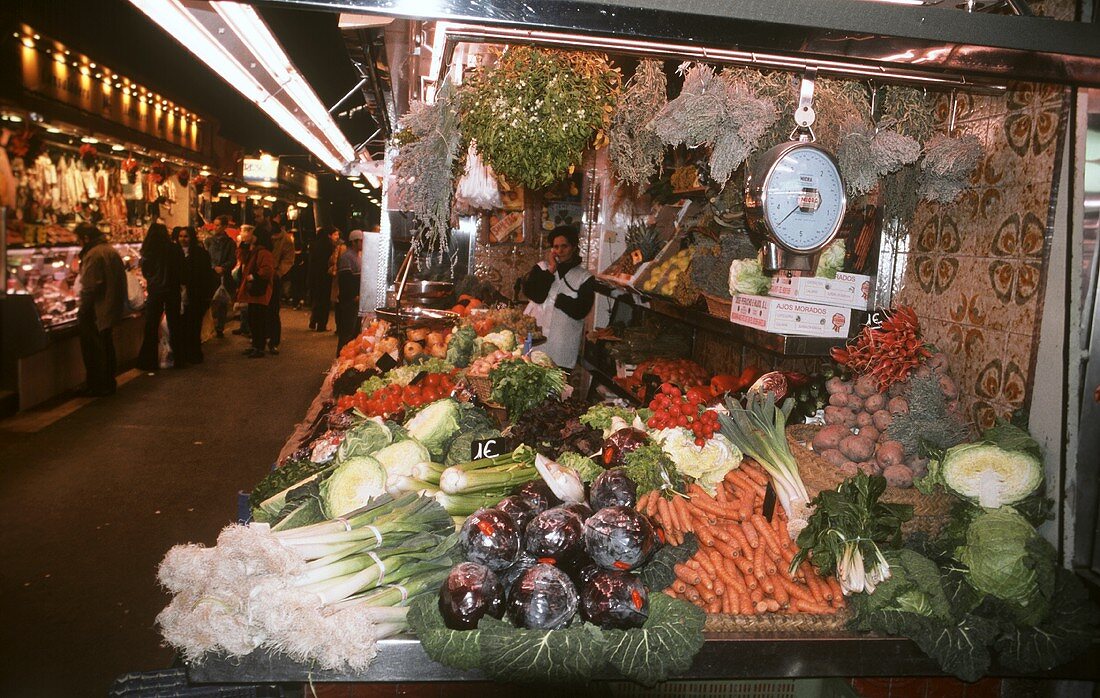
(262, 171)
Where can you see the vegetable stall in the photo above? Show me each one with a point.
(443, 535)
(776, 457)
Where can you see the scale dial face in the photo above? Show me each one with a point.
(803, 199)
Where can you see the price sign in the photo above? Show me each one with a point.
(769, 502)
(636, 256)
(385, 363)
(878, 316)
(488, 448)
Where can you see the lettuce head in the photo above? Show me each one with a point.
(706, 464)
(747, 276)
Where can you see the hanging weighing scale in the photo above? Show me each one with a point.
(794, 195)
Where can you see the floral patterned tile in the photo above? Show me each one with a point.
(969, 107)
(1031, 126)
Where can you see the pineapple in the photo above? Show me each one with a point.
(645, 239)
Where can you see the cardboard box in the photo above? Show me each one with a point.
(846, 290)
(787, 316)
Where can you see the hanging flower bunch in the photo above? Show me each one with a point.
(183, 176)
(159, 171)
(947, 165)
(213, 185)
(88, 154)
(868, 152)
(536, 110)
(200, 183)
(718, 113)
(130, 166)
(634, 147)
(424, 167)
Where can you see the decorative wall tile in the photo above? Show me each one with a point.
(976, 266)
(1031, 126)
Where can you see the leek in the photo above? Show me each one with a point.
(759, 430)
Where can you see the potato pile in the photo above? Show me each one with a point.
(858, 420)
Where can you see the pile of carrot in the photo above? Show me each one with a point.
(742, 563)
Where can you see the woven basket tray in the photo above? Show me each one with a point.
(792, 623)
(718, 307)
(930, 512)
(482, 387)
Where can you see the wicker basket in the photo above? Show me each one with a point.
(482, 387)
(931, 513)
(718, 306)
(787, 623)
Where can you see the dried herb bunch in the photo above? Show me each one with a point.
(930, 421)
(947, 165)
(429, 141)
(868, 152)
(912, 111)
(715, 112)
(634, 147)
(835, 101)
(535, 111)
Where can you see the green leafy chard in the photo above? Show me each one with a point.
(570, 655)
(665, 645)
(521, 385)
(845, 530)
(658, 574)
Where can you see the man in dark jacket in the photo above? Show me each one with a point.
(320, 278)
(223, 257)
(348, 275)
(101, 306)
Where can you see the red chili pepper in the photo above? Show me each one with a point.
(485, 527)
(636, 598)
(620, 565)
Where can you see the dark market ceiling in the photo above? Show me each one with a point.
(117, 34)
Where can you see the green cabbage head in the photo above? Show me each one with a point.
(987, 475)
(747, 276)
(435, 426)
(1006, 558)
(832, 260)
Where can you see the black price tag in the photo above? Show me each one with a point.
(488, 448)
(385, 363)
(878, 316)
(769, 501)
(418, 377)
(651, 385)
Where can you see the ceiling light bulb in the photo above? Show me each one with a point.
(28, 42)
(51, 129)
(118, 148)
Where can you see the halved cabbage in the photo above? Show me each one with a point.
(987, 475)
(353, 484)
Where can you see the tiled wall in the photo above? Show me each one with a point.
(975, 268)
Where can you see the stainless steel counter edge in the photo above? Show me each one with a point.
(724, 656)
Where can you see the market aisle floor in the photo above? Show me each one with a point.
(92, 502)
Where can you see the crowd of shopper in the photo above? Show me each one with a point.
(186, 276)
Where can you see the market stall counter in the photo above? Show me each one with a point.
(407, 536)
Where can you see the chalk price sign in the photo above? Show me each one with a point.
(488, 448)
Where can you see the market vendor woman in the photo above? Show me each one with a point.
(561, 292)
